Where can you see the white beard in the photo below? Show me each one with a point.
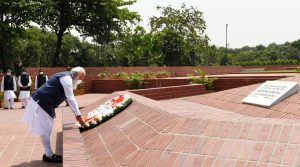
(74, 86)
(76, 82)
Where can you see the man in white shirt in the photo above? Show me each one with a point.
(8, 86)
(24, 83)
(40, 79)
(40, 111)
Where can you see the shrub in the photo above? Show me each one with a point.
(1, 99)
(201, 79)
(295, 61)
(134, 81)
(149, 75)
(163, 74)
(105, 75)
(136, 74)
(120, 75)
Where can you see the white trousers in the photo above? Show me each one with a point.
(25, 101)
(8, 102)
(9, 96)
(24, 96)
(39, 123)
(47, 145)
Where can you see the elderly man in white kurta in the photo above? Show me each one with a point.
(24, 84)
(8, 86)
(40, 111)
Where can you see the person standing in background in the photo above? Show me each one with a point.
(24, 84)
(40, 79)
(9, 87)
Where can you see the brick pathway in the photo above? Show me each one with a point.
(230, 100)
(208, 130)
(20, 148)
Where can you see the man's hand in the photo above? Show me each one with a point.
(80, 120)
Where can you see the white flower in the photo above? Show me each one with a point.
(99, 117)
(94, 122)
(78, 124)
(104, 110)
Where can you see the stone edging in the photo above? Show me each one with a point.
(74, 152)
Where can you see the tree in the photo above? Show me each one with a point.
(101, 19)
(134, 47)
(14, 17)
(181, 35)
(171, 44)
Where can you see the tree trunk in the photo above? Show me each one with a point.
(2, 51)
(2, 58)
(59, 36)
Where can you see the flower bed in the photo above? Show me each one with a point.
(141, 75)
(109, 86)
(105, 111)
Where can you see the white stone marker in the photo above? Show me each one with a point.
(272, 92)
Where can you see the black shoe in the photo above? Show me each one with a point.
(11, 108)
(5, 108)
(23, 107)
(58, 156)
(54, 159)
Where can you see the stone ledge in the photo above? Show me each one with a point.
(171, 91)
(73, 145)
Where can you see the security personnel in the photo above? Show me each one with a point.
(24, 84)
(40, 79)
(9, 87)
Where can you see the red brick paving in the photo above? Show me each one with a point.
(230, 100)
(20, 148)
(206, 130)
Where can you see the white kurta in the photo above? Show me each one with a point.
(38, 120)
(36, 82)
(9, 94)
(24, 94)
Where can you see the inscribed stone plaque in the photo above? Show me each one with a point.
(272, 92)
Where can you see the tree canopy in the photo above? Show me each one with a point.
(180, 35)
(14, 17)
(176, 37)
(100, 19)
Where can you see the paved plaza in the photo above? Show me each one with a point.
(214, 129)
(20, 148)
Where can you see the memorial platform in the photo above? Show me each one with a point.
(214, 129)
(206, 130)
